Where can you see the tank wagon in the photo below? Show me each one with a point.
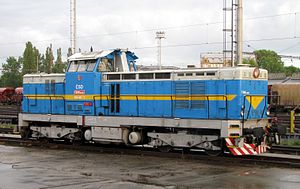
(103, 98)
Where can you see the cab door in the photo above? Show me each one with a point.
(114, 99)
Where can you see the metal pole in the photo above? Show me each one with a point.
(159, 35)
(292, 122)
(75, 29)
(73, 25)
(224, 33)
(239, 30)
(159, 53)
(232, 58)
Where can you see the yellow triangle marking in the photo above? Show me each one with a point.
(254, 100)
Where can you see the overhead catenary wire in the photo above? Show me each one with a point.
(175, 28)
(290, 47)
(147, 30)
(203, 43)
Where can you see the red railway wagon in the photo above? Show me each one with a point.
(6, 94)
(18, 95)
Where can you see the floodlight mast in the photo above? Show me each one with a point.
(159, 35)
(73, 25)
(239, 33)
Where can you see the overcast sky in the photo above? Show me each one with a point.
(192, 27)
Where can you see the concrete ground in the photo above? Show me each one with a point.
(50, 168)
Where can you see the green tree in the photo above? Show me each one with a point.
(69, 52)
(36, 60)
(42, 63)
(11, 74)
(250, 61)
(39, 60)
(289, 70)
(269, 60)
(48, 60)
(30, 58)
(59, 66)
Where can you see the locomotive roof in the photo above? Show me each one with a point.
(89, 55)
(44, 75)
(98, 54)
(194, 70)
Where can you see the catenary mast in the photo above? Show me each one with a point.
(73, 25)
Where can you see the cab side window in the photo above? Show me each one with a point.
(105, 65)
(73, 66)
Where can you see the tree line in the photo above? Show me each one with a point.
(270, 61)
(32, 61)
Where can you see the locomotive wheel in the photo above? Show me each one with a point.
(214, 153)
(220, 143)
(164, 149)
(268, 139)
(25, 132)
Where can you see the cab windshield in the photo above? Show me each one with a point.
(82, 66)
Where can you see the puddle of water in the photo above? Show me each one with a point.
(4, 149)
(4, 167)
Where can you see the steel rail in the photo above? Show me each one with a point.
(226, 159)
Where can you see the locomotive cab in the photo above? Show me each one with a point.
(84, 75)
(103, 61)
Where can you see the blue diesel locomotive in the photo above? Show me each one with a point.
(103, 98)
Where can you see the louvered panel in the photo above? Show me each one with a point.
(182, 92)
(198, 90)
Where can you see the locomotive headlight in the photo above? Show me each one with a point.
(268, 112)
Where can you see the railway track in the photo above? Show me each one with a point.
(144, 151)
(4, 140)
(286, 150)
(4, 130)
(9, 114)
